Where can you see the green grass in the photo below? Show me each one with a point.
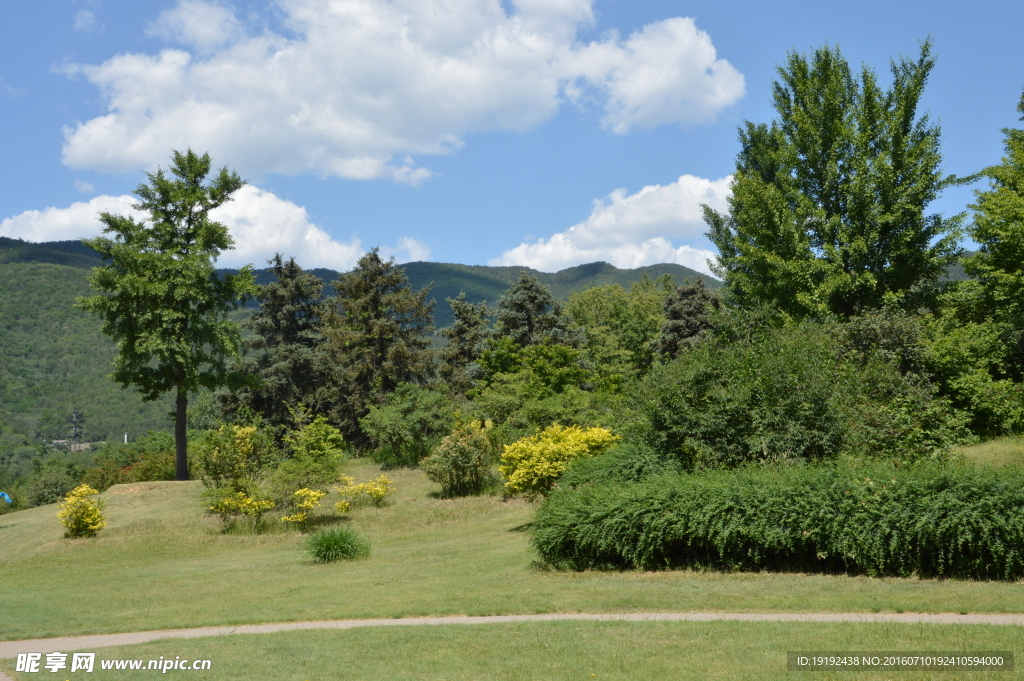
(1000, 452)
(162, 563)
(554, 651)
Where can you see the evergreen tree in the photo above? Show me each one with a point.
(377, 334)
(529, 315)
(285, 353)
(827, 213)
(688, 318)
(160, 298)
(465, 338)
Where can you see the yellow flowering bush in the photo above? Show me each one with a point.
(303, 502)
(82, 516)
(231, 506)
(533, 464)
(377, 490)
(234, 457)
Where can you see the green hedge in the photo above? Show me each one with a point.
(868, 518)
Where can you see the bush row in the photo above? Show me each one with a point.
(847, 517)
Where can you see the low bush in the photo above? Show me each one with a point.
(532, 465)
(49, 486)
(151, 457)
(234, 457)
(303, 502)
(407, 426)
(314, 453)
(376, 490)
(336, 543)
(462, 461)
(232, 505)
(847, 516)
(82, 516)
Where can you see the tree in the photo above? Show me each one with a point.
(160, 297)
(465, 338)
(827, 214)
(286, 351)
(529, 315)
(688, 311)
(76, 424)
(376, 331)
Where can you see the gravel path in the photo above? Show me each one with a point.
(9, 649)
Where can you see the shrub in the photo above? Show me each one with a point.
(405, 428)
(236, 457)
(49, 486)
(846, 516)
(336, 543)
(151, 457)
(230, 506)
(790, 393)
(315, 450)
(377, 490)
(303, 502)
(532, 465)
(462, 461)
(82, 516)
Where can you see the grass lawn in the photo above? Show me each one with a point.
(555, 650)
(162, 563)
(996, 453)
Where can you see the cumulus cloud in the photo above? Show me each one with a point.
(84, 187)
(633, 230)
(261, 223)
(359, 87)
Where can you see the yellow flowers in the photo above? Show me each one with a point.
(82, 516)
(531, 465)
(242, 504)
(376, 490)
(304, 501)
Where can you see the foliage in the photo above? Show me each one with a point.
(50, 485)
(231, 505)
(336, 543)
(529, 315)
(151, 457)
(827, 208)
(461, 463)
(688, 318)
(376, 490)
(531, 466)
(159, 296)
(303, 502)
(620, 327)
(315, 451)
(407, 426)
(789, 393)
(235, 457)
(889, 334)
(285, 351)
(376, 332)
(82, 516)
(465, 337)
(850, 517)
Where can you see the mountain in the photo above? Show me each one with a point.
(53, 357)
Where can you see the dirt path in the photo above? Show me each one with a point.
(9, 649)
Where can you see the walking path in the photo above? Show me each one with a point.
(10, 649)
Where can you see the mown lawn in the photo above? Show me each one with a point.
(162, 563)
(553, 651)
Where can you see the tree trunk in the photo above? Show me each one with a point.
(180, 436)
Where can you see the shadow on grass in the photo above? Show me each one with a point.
(525, 527)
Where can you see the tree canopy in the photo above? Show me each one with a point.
(827, 214)
(159, 296)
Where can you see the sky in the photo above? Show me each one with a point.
(547, 133)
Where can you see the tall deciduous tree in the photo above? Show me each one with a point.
(376, 332)
(160, 297)
(827, 214)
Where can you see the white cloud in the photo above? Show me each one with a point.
(203, 25)
(85, 21)
(84, 187)
(363, 84)
(633, 230)
(261, 223)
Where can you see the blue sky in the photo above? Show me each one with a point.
(539, 132)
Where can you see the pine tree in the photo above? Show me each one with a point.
(529, 315)
(688, 318)
(285, 352)
(465, 338)
(377, 335)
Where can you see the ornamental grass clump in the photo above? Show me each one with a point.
(336, 543)
(531, 466)
(82, 516)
